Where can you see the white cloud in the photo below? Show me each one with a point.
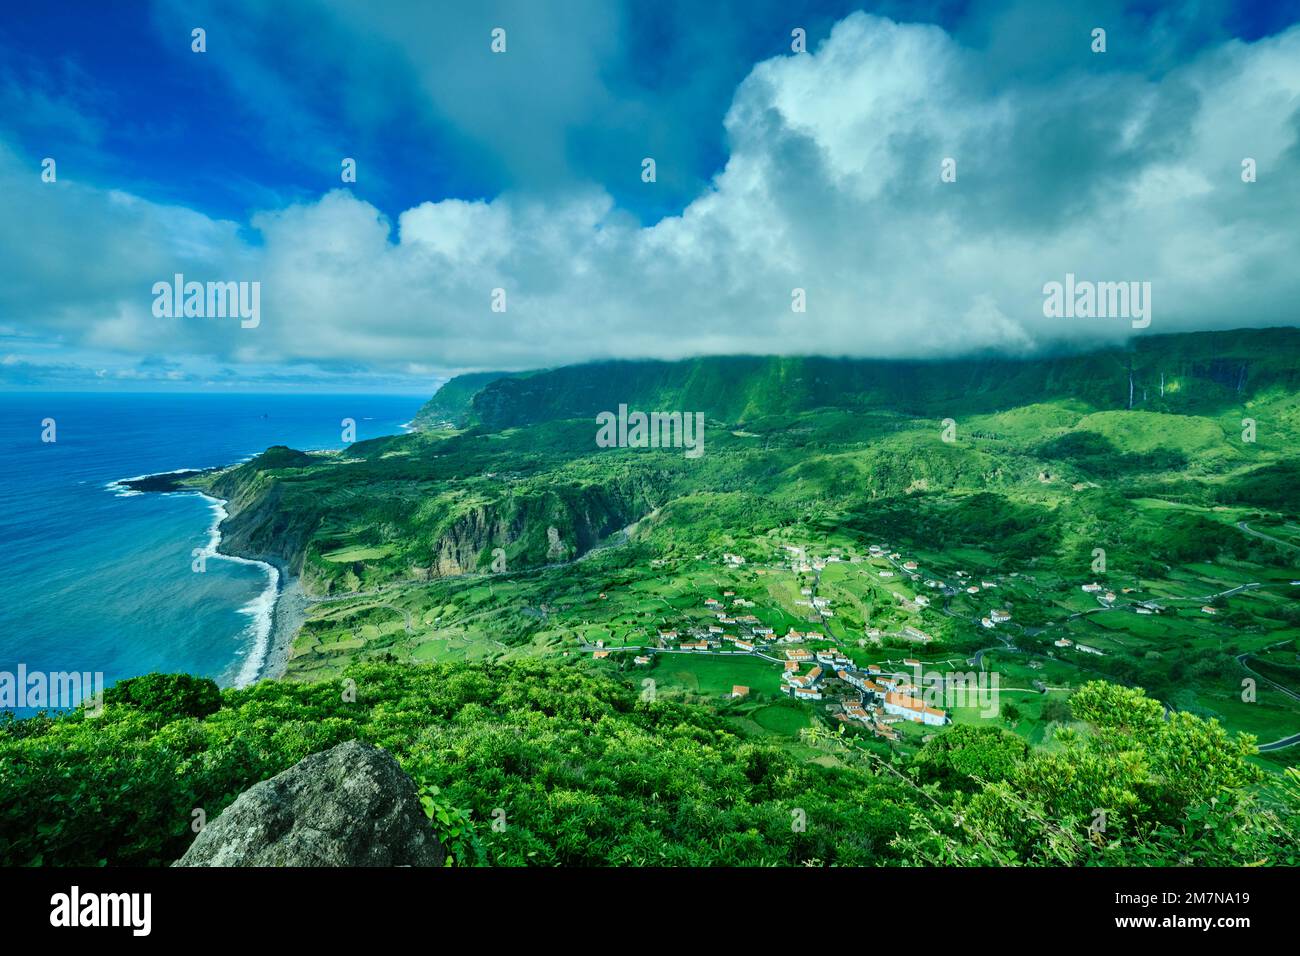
(832, 186)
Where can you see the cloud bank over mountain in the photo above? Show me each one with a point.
(832, 185)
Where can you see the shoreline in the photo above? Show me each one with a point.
(278, 611)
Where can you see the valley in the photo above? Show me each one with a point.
(1126, 544)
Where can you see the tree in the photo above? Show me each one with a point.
(966, 757)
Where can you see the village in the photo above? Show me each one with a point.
(874, 696)
(877, 695)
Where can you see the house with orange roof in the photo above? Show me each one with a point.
(913, 709)
(804, 680)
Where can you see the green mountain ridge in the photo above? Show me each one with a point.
(526, 477)
(1181, 372)
(450, 405)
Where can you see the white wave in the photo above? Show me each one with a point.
(261, 609)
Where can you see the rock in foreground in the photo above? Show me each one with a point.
(348, 806)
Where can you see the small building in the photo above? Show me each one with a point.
(739, 690)
(913, 709)
(916, 635)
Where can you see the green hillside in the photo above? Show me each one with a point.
(1201, 372)
(450, 405)
(1147, 551)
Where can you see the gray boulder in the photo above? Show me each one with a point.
(348, 806)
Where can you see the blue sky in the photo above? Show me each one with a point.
(522, 170)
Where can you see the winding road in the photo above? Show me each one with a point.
(1284, 741)
(1267, 537)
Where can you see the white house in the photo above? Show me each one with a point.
(914, 709)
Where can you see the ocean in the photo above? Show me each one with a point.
(96, 579)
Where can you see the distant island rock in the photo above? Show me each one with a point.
(351, 805)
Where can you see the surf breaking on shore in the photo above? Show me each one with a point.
(261, 609)
(264, 652)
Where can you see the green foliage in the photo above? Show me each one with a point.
(455, 830)
(280, 456)
(166, 697)
(986, 520)
(1097, 456)
(1273, 487)
(580, 771)
(966, 757)
(585, 773)
(1134, 787)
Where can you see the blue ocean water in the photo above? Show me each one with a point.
(94, 580)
